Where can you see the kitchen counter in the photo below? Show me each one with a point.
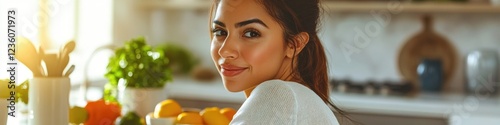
(456, 108)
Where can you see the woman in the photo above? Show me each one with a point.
(270, 50)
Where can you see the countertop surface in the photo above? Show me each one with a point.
(457, 108)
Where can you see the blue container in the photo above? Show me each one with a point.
(430, 74)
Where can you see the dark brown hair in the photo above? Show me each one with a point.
(296, 16)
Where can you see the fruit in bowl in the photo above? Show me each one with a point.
(169, 112)
(167, 108)
(213, 116)
(228, 112)
(165, 113)
(189, 118)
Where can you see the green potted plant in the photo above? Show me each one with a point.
(181, 60)
(137, 74)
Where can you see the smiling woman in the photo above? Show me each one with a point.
(270, 50)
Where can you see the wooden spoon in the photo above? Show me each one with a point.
(52, 65)
(64, 54)
(69, 47)
(26, 54)
(41, 53)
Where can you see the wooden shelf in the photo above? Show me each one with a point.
(416, 7)
(346, 6)
(177, 4)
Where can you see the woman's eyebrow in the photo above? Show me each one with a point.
(219, 23)
(242, 23)
(250, 21)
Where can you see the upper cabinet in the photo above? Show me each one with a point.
(349, 6)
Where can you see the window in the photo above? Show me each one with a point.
(88, 22)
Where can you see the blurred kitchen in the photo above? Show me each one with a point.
(433, 62)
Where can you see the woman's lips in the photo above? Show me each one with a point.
(231, 70)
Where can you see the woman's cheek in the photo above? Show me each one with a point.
(264, 56)
(214, 50)
(255, 55)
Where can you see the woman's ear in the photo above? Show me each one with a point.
(300, 41)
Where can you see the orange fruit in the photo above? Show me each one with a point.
(228, 112)
(167, 108)
(101, 112)
(212, 116)
(191, 118)
(194, 110)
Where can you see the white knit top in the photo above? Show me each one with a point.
(277, 102)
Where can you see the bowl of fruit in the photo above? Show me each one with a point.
(169, 112)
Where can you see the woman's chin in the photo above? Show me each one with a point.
(232, 88)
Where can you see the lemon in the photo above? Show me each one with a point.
(212, 116)
(191, 118)
(167, 108)
(77, 115)
(228, 112)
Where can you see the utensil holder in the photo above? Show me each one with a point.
(49, 101)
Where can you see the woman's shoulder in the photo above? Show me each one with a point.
(271, 102)
(282, 102)
(274, 91)
(277, 85)
(288, 92)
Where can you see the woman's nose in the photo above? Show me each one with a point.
(229, 49)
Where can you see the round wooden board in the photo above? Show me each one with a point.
(426, 45)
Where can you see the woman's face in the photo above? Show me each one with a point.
(247, 45)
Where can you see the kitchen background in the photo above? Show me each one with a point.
(469, 26)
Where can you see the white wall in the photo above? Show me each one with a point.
(378, 61)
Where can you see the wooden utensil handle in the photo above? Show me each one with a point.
(52, 65)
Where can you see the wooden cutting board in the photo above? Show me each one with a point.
(427, 44)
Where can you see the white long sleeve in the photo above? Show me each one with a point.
(277, 102)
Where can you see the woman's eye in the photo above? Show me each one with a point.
(219, 32)
(251, 34)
